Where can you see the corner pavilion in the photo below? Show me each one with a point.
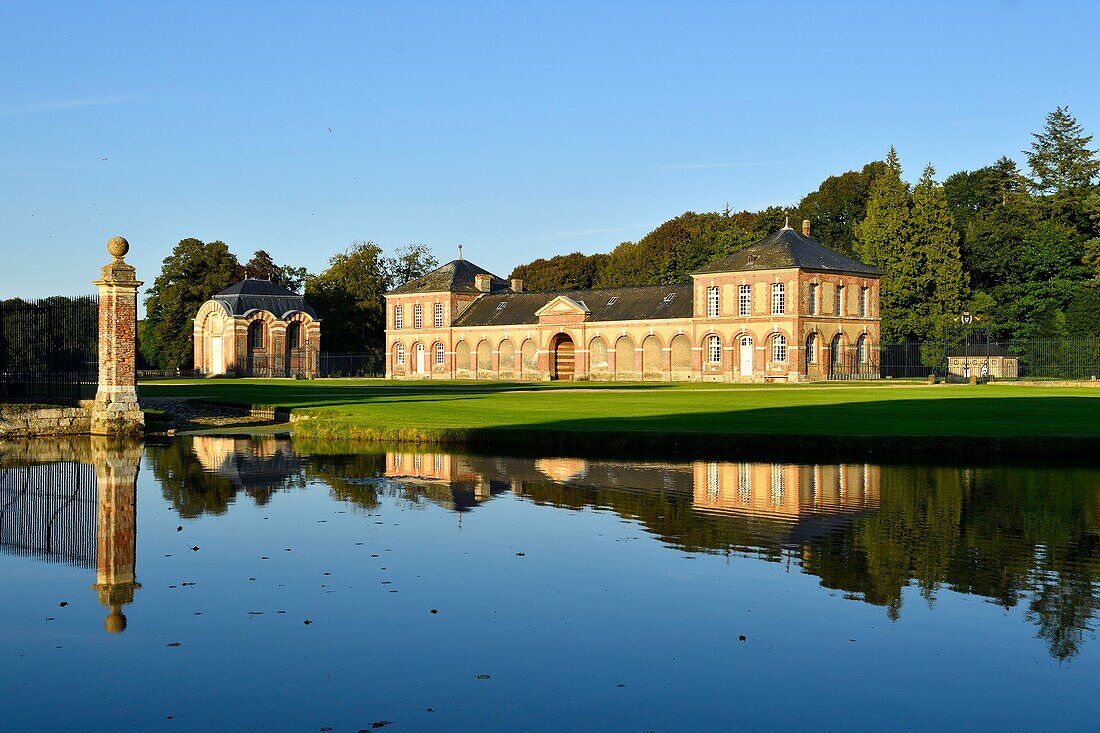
(785, 308)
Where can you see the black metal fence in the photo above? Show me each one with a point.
(958, 360)
(49, 349)
(360, 364)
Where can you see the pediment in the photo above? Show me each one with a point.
(563, 305)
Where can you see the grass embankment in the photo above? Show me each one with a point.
(865, 419)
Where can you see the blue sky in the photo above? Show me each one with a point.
(520, 130)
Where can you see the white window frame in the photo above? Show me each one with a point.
(813, 299)
(779, 299)
(811, 348)
(713, 301)
(779, 484)
(418, 316)
(861, 349)
(744, 483)
(438, 315)
(440, 353)
(779, 348)
(401, 354)
(714, 483)
(744, 300)
(398, 317)
(714, 349)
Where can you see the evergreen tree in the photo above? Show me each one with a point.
(1062, 164)
(883, 240)
(936, 250)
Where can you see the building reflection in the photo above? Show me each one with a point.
(75, 501)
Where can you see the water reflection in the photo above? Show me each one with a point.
(75, 501)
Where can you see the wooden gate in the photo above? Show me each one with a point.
(564, 364)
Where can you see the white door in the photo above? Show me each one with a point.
(420, 358)
(746, 356)
(217, 359)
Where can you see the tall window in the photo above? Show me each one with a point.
(712, 301)
(294, 335)
(813, 299)
(861, 349)
(418, 316)
(714, 349)
(779, 299)
(811, 349)
(401, 354)
(839, 304)
(438, 315)
(744, 483)
(398, 317)
(256, 335)
(779, 347)
(713, 485)
(440, 353)
(744, 300)
(863, 296)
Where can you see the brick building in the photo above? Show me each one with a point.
(785, 308)
(257, 328)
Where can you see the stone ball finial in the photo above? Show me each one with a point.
(115, 623)
(118, 247)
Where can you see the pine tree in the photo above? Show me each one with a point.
(883, 240)
(935, 248)
(1062, 164)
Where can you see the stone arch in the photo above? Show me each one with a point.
(836, 353)
(681, 353)
(506, 360)
(598, 362)
(812, 357)
(652, 357)
(528, 358)
(462, 355)
(484, 356)
(624, 356)
(746, 355)
(400, 358)
(708, 339)
(562, 357)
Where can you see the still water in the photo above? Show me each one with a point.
(220, 583)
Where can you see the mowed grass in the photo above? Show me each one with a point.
(457, 412)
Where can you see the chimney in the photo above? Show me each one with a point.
(805, 227)
(517, 285)
(484, 283)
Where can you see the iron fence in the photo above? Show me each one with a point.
(49, 512)
(359, 364)
(49, 349)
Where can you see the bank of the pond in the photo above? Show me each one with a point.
(876, 420)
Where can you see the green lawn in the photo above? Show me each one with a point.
(659, 415)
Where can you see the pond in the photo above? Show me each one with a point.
(217, 583)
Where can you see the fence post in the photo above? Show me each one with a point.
(116, 410)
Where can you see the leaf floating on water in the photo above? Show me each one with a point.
(381, 723)
(435, 610)
(63, 604)
(255, 613)
(742, 637)
(521, 554)
(179, 528)
(173, 643)
(620, 685)
(307, 622)
(195, 548)
(482, 677)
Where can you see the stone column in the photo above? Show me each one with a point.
(116, 410)
(116, 467)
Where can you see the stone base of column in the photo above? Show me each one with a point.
(116, 412)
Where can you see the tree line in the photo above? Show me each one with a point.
(1021, 252)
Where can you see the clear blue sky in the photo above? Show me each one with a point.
(520, 130)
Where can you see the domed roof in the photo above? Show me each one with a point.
(254, 294)
(785, 249)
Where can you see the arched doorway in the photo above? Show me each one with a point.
(746, 355)
(257, 354)
(562, 362)
(835, 367)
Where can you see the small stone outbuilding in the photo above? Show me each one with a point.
(982, 361)
(256, 328)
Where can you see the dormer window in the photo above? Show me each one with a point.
(500, 306)
(613, 300)
(669, 297)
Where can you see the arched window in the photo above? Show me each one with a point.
(294, 335)
(811, 349)
(779, 347)
(401, 354)
(714, 349)
(256, 335)
(779, 300)
(440, 353)
(861, 349)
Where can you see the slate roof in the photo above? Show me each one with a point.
(630, 304)
(251, 294)
(788, 248)
(457, 276)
